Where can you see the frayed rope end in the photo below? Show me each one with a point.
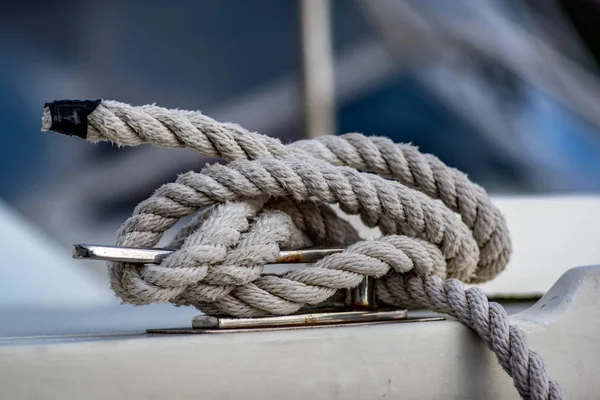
(46, 119)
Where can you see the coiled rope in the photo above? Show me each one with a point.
(438, 227)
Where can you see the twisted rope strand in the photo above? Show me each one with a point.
(272, 197)
(130, 126)
(488, 320)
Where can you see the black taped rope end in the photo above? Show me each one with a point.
(69, 117)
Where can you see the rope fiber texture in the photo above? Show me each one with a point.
(438, 227)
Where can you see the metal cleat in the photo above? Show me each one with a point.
(358, 308)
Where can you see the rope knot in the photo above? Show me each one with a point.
(436, 225)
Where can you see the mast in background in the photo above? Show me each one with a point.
(318, 84)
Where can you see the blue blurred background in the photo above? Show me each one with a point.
(240, 61)
(467, 81)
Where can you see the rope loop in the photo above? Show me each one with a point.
(439, 229)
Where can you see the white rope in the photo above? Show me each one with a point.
(437, 225)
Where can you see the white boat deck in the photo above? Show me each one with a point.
(65, 328)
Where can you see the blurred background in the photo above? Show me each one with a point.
(504, 90)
